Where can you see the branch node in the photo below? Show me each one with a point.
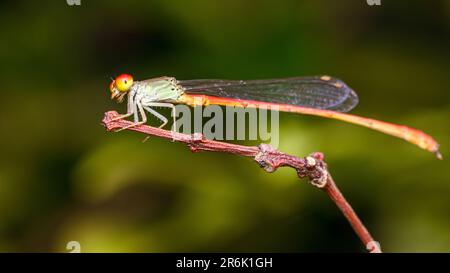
(310, 162)
(195, 140)
(264, 159)
(319, 178)
(315, 169)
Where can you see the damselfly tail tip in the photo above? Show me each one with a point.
(438, 155)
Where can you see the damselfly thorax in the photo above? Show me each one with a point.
(162, 89)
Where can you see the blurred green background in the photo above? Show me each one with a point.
(63, 178)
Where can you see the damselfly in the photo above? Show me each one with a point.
(322, 96)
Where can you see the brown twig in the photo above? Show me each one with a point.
(312, 167)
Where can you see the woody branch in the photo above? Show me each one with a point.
(312, 167)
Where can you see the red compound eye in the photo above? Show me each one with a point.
(123, 82)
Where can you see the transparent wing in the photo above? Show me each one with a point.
(315, 92)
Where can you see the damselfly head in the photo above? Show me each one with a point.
(120, 86)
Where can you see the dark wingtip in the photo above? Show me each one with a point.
(346, 103)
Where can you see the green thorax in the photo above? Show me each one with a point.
(158, 89)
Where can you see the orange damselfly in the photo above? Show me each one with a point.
(322, 96)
